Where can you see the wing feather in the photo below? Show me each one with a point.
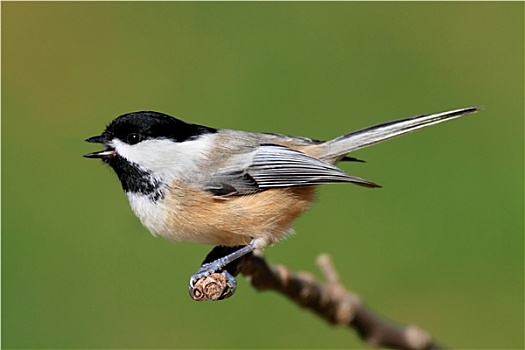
(277, 166)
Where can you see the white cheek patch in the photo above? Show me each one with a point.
(164, 157)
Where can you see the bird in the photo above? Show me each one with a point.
(222, 187)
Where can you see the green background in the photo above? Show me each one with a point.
(440, 246)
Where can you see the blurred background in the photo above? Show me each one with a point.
(440, 245)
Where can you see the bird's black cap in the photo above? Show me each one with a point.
(151, 125)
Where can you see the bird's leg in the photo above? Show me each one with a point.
(212, 264)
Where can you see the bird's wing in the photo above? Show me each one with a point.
(275, 166)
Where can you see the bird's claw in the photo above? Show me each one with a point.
(214, 280)
(204, 271)
(211, 285)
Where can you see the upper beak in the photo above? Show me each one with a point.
(107, 153)
(96, 139)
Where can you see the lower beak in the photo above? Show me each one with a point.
(107, 153)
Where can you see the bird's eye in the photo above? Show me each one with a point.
(133, 138)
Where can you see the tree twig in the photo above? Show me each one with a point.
(330, 301)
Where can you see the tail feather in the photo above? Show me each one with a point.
(337, 148)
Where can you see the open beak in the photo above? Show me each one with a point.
(107, 153)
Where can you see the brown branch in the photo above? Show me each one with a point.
(330, 301)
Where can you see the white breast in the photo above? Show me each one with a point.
(150, 214)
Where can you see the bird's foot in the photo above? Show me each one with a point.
(210, 284)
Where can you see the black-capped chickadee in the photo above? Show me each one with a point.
(188, 182)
